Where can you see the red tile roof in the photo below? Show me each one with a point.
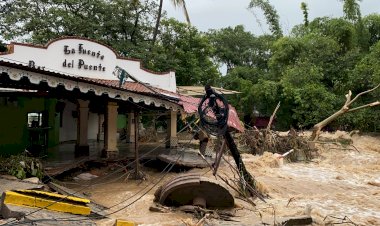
(190, 106)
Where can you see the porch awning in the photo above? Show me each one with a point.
(134, 91)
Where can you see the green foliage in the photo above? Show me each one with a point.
(270, 14)
(45, 20)
(230, 45)
(366, 74)
(351, 10)
(286, 51)
(236, 47)
(305, 14)
(309, 71)
(266, 95)
(184, 49)
(339, 29)
(372, 25)
(242, 101)
(123, 24)
(21, 166)
(363, 120)
(302, 87)
(182, 4)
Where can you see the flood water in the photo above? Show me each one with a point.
(341, 185)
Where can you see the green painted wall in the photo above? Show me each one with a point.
(121, 121)
(14, 133)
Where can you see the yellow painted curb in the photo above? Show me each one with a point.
(46, 200)
(54, 195)
(125, 223)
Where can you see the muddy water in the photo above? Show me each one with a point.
(340, 184)
(130, 200)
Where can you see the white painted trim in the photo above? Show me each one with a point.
(84, 87)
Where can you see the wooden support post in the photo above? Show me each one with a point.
(137, 170)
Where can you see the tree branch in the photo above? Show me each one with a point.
(348, 98)
(362, 93)
(364, 106)
(317, 127)
(272, 117)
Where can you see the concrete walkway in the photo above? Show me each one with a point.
(62, 157)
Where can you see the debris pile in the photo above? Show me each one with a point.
(257, 142)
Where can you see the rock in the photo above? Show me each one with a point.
(297, 220)
(12, 211)
(41, 217)
(85, 176)
(33, 180)
(9, 177)
(374, 183)
(158, 209)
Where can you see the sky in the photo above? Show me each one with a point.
(216, 14)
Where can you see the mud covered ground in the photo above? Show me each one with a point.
(341, 185)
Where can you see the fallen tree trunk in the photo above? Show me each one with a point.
(346, 108)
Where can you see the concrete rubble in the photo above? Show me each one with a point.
(25, 215)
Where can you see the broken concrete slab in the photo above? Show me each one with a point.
(13, 211)
(42, 217)
(47, 200)
(188, 158)
(7, 184)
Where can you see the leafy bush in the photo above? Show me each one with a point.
(21, 166)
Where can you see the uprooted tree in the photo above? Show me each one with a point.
(345, 108)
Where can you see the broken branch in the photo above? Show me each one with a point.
(272, 117)
(345, 108)
(362, 93)
(364, 106)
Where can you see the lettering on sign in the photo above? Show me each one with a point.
(32, 64)
(80, 63)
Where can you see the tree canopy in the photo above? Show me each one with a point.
(309, 70)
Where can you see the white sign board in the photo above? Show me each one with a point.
(85, 58)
